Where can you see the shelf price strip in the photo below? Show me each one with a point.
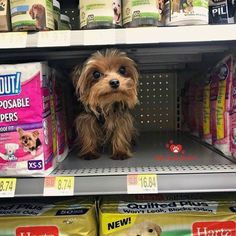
(141, 183)
(7, 187)
(59, 186)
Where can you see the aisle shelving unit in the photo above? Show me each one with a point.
(198, 169)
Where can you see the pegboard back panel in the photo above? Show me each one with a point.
(157, 109)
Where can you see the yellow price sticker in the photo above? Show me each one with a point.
(7, 187)
(142, 183)
(59, 186)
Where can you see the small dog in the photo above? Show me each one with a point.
(29, 140)
(107, 87)
(37, 12)
(116, 6)
(145, 228)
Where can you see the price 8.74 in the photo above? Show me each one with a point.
(7, 187)
(64, 184)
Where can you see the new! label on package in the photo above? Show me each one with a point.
(190, 215)
(25, 120)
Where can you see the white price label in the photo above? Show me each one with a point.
(13, 40)
(59, 186)
(7, 187)
(54, 38)
(143, 183)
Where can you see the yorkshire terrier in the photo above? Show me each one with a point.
(29, 140)
(107, 87)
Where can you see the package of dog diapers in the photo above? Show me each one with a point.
(60, 119)
(224, 72)
(31, 15)
(168, 216)
(214, 88)
(25, 120)
(72, 217)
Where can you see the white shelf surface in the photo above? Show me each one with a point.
(198, 169)
(145, 35)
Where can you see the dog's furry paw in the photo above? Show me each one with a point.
(89, 156)
(120, 156)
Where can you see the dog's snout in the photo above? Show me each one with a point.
(114, 83)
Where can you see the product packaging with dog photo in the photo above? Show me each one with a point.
(100, 14)
(186, 12)
(26, 146)
(168, 215)
(30, 15)
(4, 15)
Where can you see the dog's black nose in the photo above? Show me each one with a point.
(114, 83)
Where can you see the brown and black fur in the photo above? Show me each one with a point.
(107, 118)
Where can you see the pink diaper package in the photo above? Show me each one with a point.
(26, 147)
(60, 117)
(214, 88)
(233, 116)
(200, 110)
(224, 73)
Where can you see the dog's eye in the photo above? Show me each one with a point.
(23, 137)
(29, 138)
(150, 230)
(122, 70)
(96, 74)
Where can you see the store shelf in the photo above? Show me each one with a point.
(198, 169)
(147, 35)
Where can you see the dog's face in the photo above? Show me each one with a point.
(116, 7)
(11, 148)
(37, 11)
(145, 229)
(107, 77)
(28, 139)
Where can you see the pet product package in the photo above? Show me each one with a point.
(224, 73)
(4, 15)
(100, 14)
(207, 137)
(168, 216)
(31, 15)
(233, 116)
(60, 119)
(73, 217)
(64, 22)
(214, 88)
(142, 13)
(25, 120)
(186, 12)
(56, 14)
(221, 11)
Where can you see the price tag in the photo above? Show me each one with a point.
(59, 186)
(7, 187)
(13, 40)
(142, 183)
(54, 38)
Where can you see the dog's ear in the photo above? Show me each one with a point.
(35, 133)
(20, 131)
(75, 77)
(157, 229)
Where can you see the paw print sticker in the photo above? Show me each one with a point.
(175, 148)
(2, 6)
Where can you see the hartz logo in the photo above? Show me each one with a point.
(10, 84)
(215, 228)
(37, 231)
